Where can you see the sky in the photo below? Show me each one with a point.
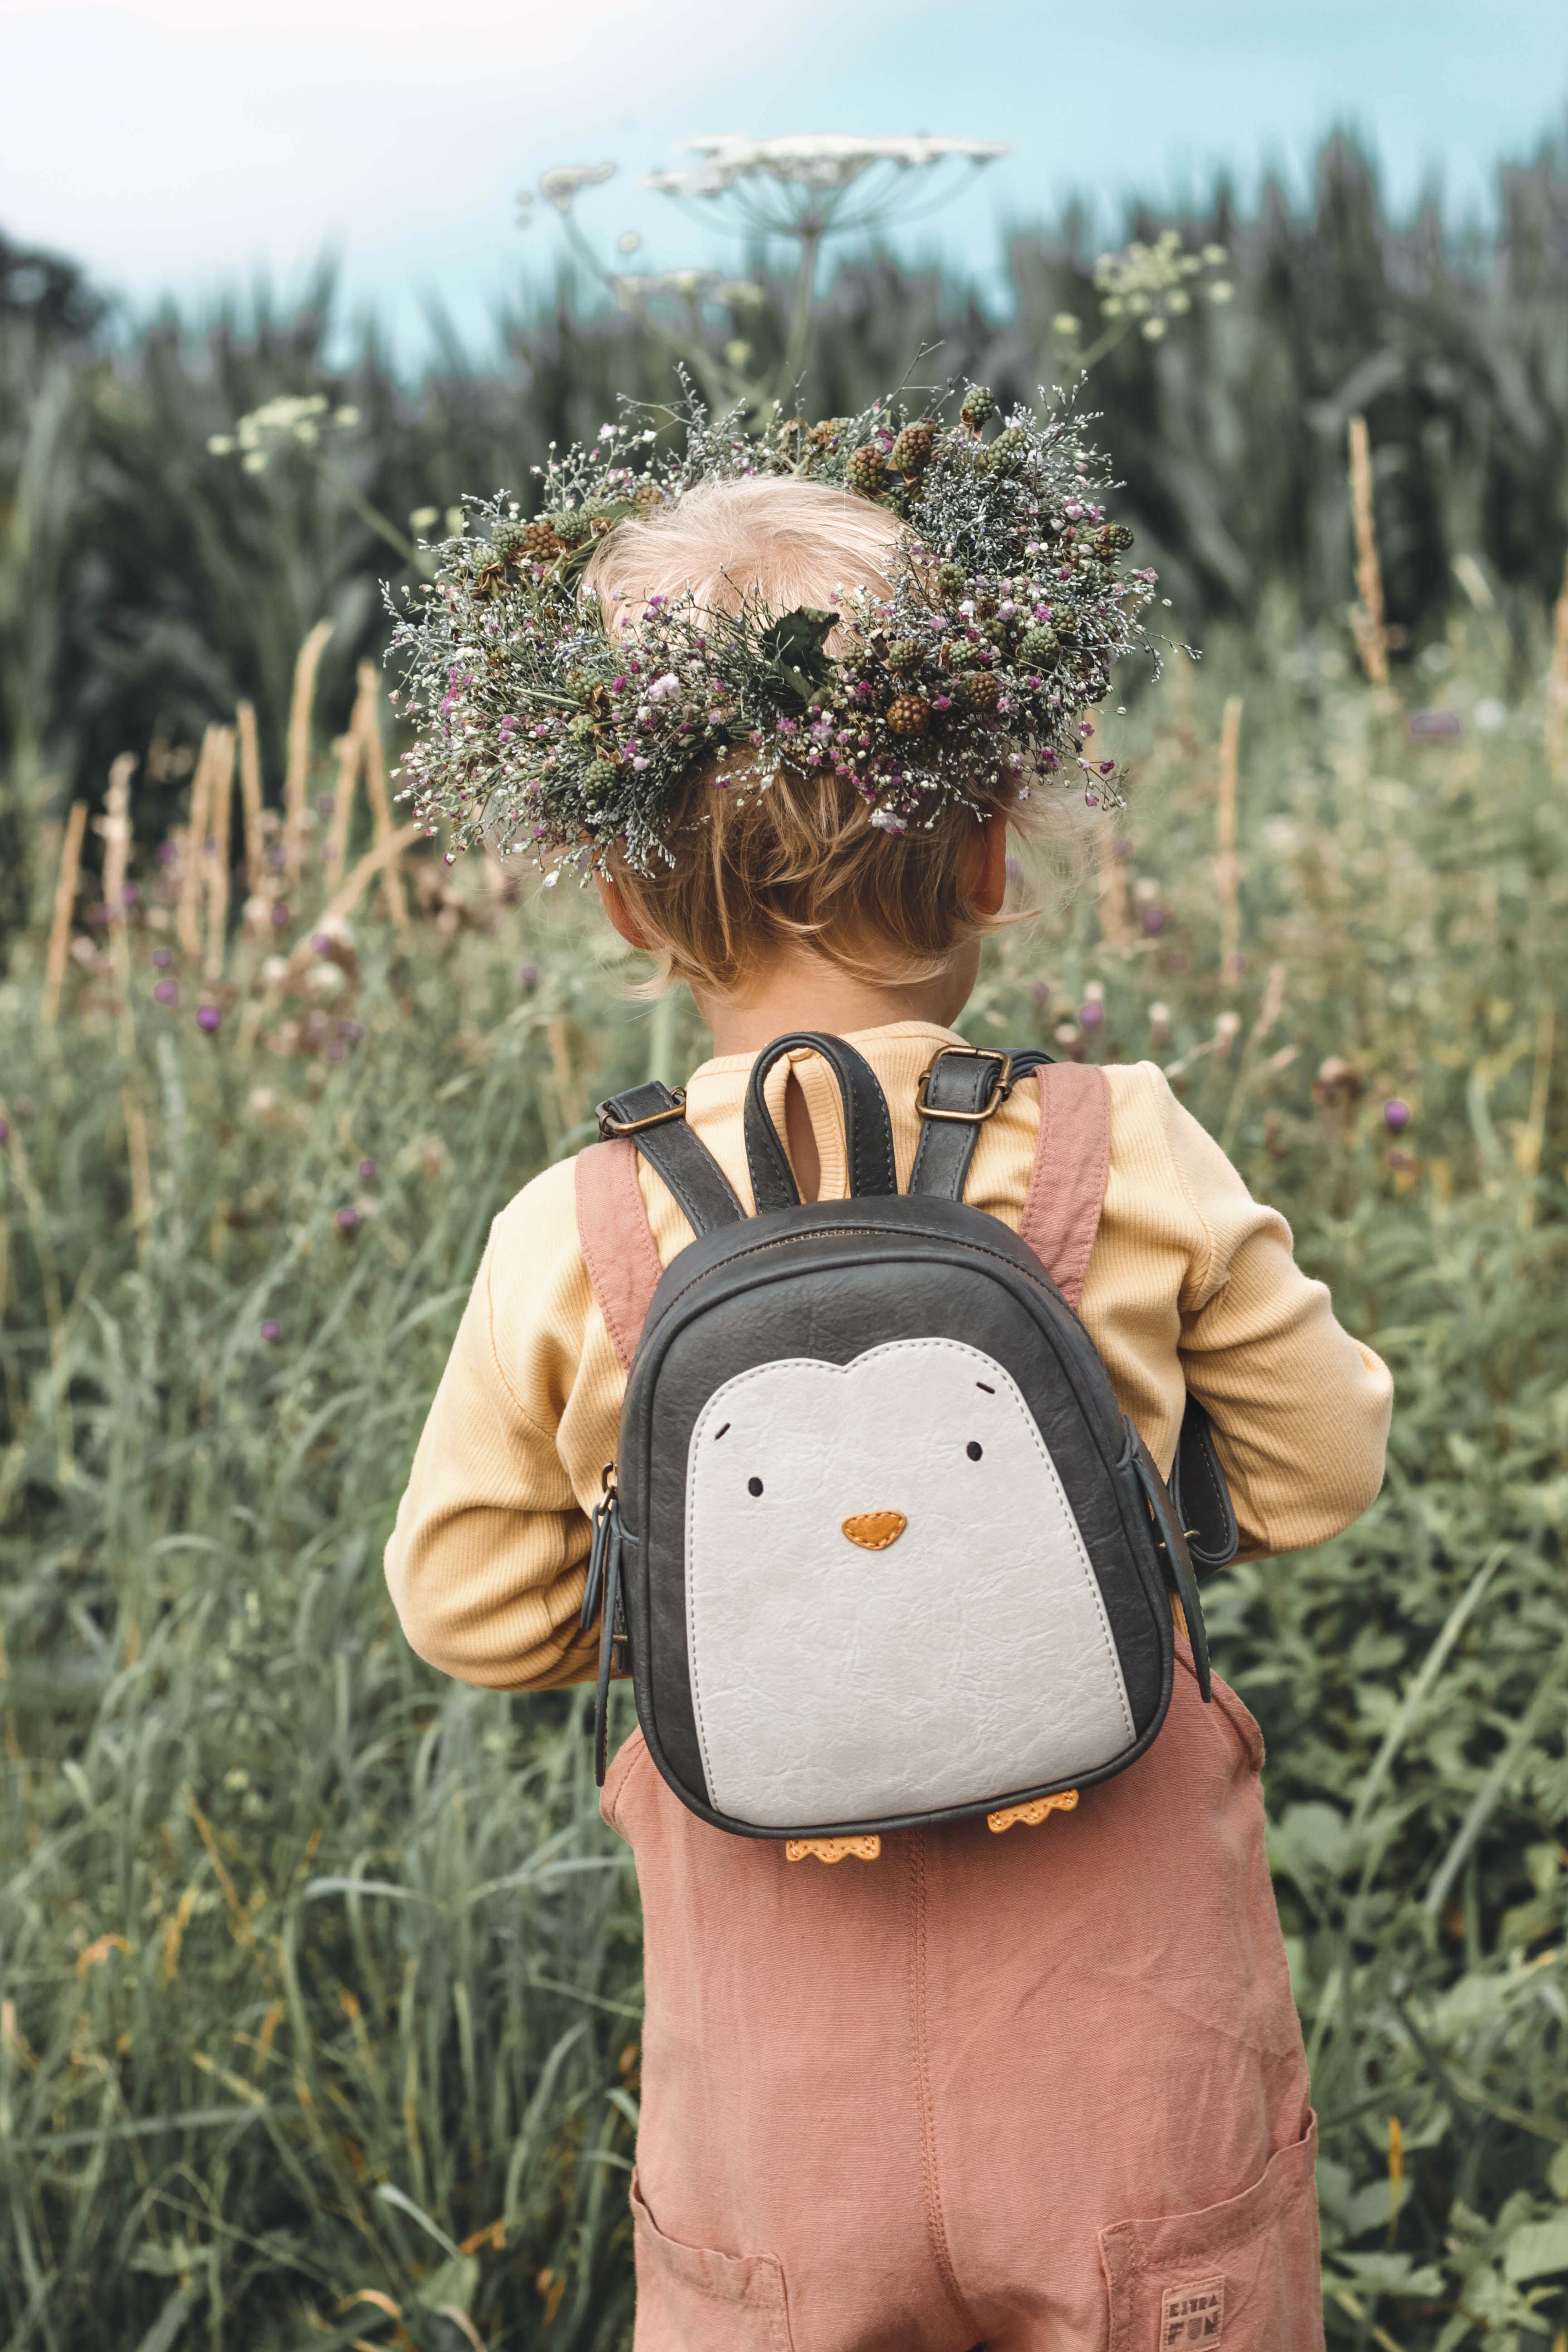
(194, 147)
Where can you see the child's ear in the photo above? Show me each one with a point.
(612, 898)
(985, 873)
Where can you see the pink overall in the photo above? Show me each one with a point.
(1040, 2092)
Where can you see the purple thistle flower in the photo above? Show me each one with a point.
(347, 1221)
(209, 1018)
(367, 1170)
(166, 992)
(163, 958)
(1396, 1114)
(1090, 1015)
(5, 1130)
(271, 1332)
(281, 916)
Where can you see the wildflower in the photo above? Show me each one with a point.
(1396, 1114)
(271, 1332)
(163, 958)
(367, 1170)
(347, 1221)
(167, 992)
(209, 1018)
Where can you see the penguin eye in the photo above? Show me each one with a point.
(974, 1450)
(753, 1486)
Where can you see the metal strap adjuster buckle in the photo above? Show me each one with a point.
(610, 1125)
(999, 1092)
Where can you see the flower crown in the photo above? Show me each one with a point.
(540, 730)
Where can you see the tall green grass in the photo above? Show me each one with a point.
(318, 1976)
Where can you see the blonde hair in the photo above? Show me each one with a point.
(800, 862)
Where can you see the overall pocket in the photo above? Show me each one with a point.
(1243, 2276)
(690, 2299)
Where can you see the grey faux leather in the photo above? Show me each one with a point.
(811, 1284)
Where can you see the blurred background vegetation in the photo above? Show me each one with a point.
(320, 1982)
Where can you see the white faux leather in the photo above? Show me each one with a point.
(970, 1658)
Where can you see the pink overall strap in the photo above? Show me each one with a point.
(617, 1243)
(1067, 1186)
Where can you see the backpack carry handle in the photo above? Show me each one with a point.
(867, 1130)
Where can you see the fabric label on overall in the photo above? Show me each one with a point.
(887, 1543)
(1191, 2314)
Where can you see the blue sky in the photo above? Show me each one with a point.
(190, 145)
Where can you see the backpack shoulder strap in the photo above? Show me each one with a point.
(622, 1265)
(963, 1087)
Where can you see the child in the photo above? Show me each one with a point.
(1040, 2090)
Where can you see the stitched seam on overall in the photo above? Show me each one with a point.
(936, 2227)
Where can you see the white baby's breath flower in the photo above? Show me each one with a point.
(560, 187)
(824, 159)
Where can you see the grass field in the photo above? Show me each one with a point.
(318, 1976)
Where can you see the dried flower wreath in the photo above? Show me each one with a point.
(540, 730)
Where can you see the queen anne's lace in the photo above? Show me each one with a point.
(542, 732)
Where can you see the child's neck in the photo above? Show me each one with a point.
(807, 992)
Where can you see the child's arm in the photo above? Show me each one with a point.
(485, 1562)
(1299, 1408)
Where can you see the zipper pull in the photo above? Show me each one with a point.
(615, 1644)
(598, 1552)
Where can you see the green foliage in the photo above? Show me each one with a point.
(321, 1975)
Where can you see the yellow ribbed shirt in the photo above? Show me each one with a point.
(1191, 1285)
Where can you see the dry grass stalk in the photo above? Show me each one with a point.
(65, 899)
(1557, 691)
(220, 796)
(341, 906)
(366, 725)
(349, 751)
(1531, 1141)
(1115, 920)
(192, 853)
(250, 795)
(297, 773)
(1367, 614)
(114, 825)
(1226, 871)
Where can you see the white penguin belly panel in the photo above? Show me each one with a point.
(889, 1606)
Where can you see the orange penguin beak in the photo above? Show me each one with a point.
(875, 1530)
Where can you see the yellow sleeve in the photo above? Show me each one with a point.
(486, 1564)
(1301, 1410)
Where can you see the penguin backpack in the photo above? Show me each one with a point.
(879, 1550)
